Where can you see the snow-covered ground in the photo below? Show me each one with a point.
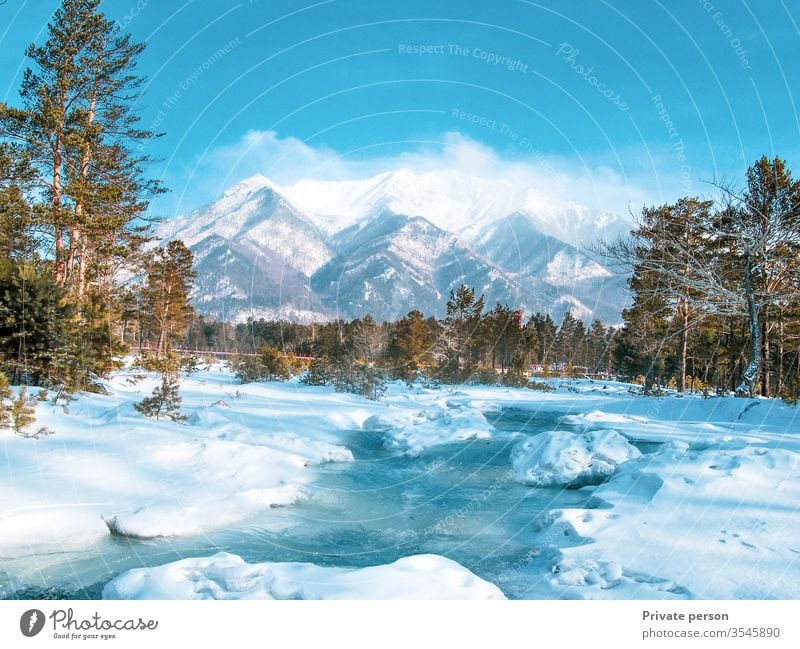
(227, 576)
(696, 497)
(107, 467)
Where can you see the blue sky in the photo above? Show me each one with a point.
(626, 101)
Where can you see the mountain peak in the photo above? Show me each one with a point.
(388, 243)
(252, 184)
(452, 200)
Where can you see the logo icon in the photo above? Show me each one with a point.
(31, 622)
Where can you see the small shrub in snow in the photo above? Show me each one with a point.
(6, 398)
(22, 411)
(189, 364)
(16, 412)
(360, 378)
(539, 385)
(318, 373)
(43, 431)
(165, 400)
(484, 376)
(352, 377)
(513, 378)
(151, 363)
(247, 369)
(270, 364)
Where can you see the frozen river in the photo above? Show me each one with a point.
(456, 500)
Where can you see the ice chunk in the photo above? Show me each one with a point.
(435, 425)
(562, 458)
(228, 576)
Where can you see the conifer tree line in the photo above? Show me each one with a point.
(471, 344)
(76, 268)
(716, 287)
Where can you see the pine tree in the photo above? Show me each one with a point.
(270, 364)
(23, 411)
(77, 130)
(72, 183)
(566, 340)
(411, 345)
(6, 401)
(165, 400)
(597, 347)
(17, 242)
(547, 339)
(167, 309)
(499, 336)
(38, 332)
(320, 372)
(358, 377)
(459, 331)
(767, 229)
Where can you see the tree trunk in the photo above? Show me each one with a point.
(78, 247)
(748, 385)
(684, 310)
(56, 206)
(765, 359)
(779, 389)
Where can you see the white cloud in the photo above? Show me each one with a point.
(589, 181)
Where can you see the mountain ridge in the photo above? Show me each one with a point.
(347, 248)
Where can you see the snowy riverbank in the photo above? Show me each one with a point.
(688, 497)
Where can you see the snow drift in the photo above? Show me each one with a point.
(228, 576)
(564, 459)
(441, 423)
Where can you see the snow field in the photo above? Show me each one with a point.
(706, 507)
(227, 576)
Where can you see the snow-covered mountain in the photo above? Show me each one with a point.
(254, 254)
(392, 243)
(453, 201)
(394, 263)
